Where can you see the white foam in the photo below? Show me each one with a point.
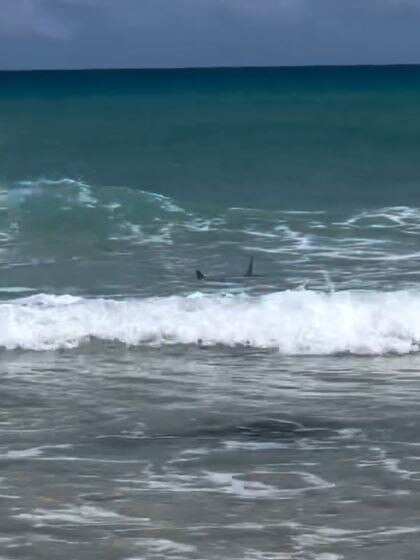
(22, 453)
(389, 216)
(253, 445)
(313, 480)
(256, 554)
(293, 322)
(24, 189)
(229, 483)
(164, 202)
(32, 451)
(76, 515)
(165, 546)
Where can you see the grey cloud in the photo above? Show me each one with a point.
(42, 18)
(144, 33)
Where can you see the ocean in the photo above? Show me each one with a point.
(146, 414)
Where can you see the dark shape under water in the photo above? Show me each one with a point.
(266, 429)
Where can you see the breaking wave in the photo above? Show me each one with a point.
(292, 322)
(46, 221)
(69, 207)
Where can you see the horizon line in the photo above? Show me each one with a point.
(221, 67)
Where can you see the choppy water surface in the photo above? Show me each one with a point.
(145, 414)
(188, 453)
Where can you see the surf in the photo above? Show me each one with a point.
(292, 322)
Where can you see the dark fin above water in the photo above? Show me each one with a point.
(250, 269)
(199, 275)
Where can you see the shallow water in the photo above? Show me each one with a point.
(187, 453)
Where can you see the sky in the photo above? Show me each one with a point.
(181, 33)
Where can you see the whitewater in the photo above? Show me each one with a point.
(292, 322)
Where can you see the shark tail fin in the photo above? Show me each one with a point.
(199, 275)
(250, 269)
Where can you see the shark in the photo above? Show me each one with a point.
(249, 273)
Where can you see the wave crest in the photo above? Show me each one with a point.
(293, 322)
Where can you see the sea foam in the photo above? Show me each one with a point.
(292, 322)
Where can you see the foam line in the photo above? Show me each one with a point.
(293, 322)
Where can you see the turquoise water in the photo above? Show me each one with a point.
(305, 137)
(146, 414)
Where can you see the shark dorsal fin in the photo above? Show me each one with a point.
(199, 275)
(250, 269)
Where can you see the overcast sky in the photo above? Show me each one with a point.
(168, 33)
